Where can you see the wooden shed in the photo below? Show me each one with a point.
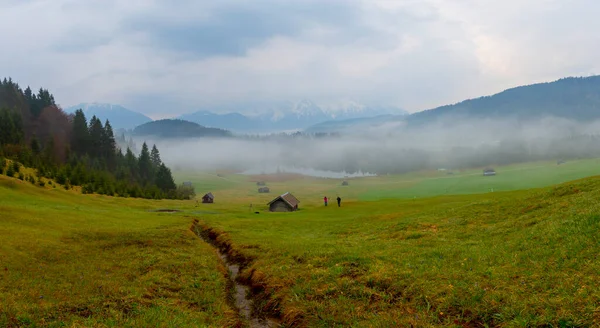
(261, 183)
(345, 183)
(264, 190)
(489, 172)
(208, 198)
(284, 203)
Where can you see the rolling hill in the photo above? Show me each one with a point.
(177, 129)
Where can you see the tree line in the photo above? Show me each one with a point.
(68, 149)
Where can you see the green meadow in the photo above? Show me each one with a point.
(426, 249)
(68, 259)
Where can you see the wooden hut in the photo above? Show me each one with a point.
(489, 172)
(284, 203)
(208, 198)
(345, 183)
(261, 183)
(264, 190)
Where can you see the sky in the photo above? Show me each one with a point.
(165, 58)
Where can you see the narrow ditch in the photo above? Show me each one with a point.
(241, 297)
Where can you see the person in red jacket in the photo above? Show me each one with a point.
(325, 200)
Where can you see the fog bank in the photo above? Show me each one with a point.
(393, 147)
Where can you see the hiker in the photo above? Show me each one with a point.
(339, 201)
(325, 200)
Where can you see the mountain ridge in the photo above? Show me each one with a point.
(119, 116)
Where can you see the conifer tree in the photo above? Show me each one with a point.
(96, 135)
(145, 166)
(164, 179)
(155, 157)
(81, 135)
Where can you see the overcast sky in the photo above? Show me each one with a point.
(168, 57)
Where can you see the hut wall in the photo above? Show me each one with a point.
(280, 206)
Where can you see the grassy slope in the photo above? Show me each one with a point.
(522, 258)
(68, 259)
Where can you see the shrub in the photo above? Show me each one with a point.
(185, 192)
(16, 166)
(10, 171)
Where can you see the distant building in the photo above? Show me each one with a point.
(261, 183)
(208, 198)
(284, 203)
(264, 190)
(345, 183)
(559, 162)
(489, 172)
(187, 184)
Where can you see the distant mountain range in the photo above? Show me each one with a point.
(573, 98)
(286, 116)
(119, 116)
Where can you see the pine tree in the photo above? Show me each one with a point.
(109, 146)
(80, 140)
(145, 166)
(131, 163)
(164, 179)
(155, 157)
(96, 135)
(35, 146)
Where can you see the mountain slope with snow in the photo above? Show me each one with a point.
(284, 116)
(118, 116)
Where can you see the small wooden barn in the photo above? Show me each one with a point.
(208, 198)
(261, 183)
(489, 172)
(264, 190)
(284, 203)
(345, 183)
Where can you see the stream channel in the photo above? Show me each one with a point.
(241, 293)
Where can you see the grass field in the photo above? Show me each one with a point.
(72, 260)
(400, 251)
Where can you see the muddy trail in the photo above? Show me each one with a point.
(242, 297)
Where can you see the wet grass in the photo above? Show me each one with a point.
(83, 260)
(400, 251)
(509, 259)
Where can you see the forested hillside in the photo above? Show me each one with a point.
(572, 98)
(71, 151)
(169, 128)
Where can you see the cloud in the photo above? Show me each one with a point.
(164, 59)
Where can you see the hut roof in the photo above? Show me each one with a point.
(288, 198)
(209, 195)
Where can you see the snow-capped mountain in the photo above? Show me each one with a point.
(118, 116)
(285, 116)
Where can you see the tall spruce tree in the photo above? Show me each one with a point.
(109, 146)
(80, 140)
(164, 179)
(155, 157)
(145, 166)
(96, 135)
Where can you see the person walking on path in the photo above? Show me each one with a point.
(325, 200)
(339, 201)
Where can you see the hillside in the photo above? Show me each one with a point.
(177, 129)
(572, 98)
(119, 116)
